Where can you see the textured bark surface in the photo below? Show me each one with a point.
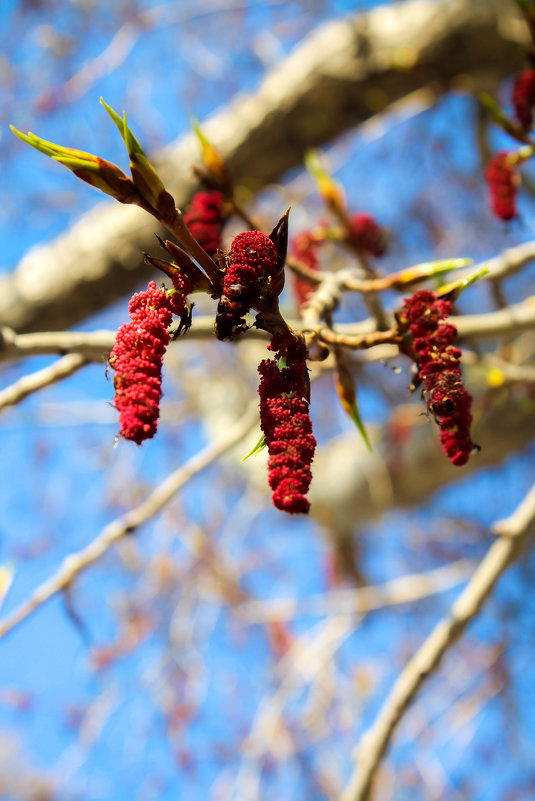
(342, 74)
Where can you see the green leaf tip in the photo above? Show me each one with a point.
(456, 287)
(132, 144)
(259, 445)
(197, 130)
(57, 152)
(353, 411)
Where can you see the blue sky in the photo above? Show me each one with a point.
(62, 480)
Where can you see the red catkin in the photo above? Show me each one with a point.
(439, 368)
(252, 260)
(205, 218)
(368, 234)
(138, 354)
(524, 98)
(305, 247)
(286, 424)
(503, 180)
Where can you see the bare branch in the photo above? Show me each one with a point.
(512, 533)
(28, 384)
(75, 563)
(401, 590)
(503, 322)
(515, 318)
(94, 345)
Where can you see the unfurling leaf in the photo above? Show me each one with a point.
(427, 270)
(330, 191)
(95, 171)
(212, 159)
(453, 290)
(144, 175)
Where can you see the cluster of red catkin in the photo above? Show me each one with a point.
(252, 261)
(501, 175)
(251, 266)
(439, 369)
(285, 422)
(137, 357)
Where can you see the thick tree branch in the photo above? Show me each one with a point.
(322, 89)
(512, 533)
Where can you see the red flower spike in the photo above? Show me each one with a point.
(503, 181)
(138, 354)
(205, 219)
(524, 98)
(285, 422)
(252, 261)
(368, 234)
(305, 247)
(439, 369)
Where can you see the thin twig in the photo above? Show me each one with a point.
(33, 382)
(401, 590)
(331, 337)
(75, 563)
(517, 317)
(512, 533)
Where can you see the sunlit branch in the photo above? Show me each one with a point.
(516, 318)
(76, 562)
(93, 345)
(512, 534)
(96, 345)
(331, 337)
(33, 382)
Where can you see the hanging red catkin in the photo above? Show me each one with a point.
(285, 422)
(368, 234)
(524, 98)
(305, 248)
(205, 218)
(439, 368)
(503, 181)
(138, 354)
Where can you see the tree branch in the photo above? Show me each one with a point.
(512, 533)
(94, 345)
(33, 382)
(319, 91)
(401, 590)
